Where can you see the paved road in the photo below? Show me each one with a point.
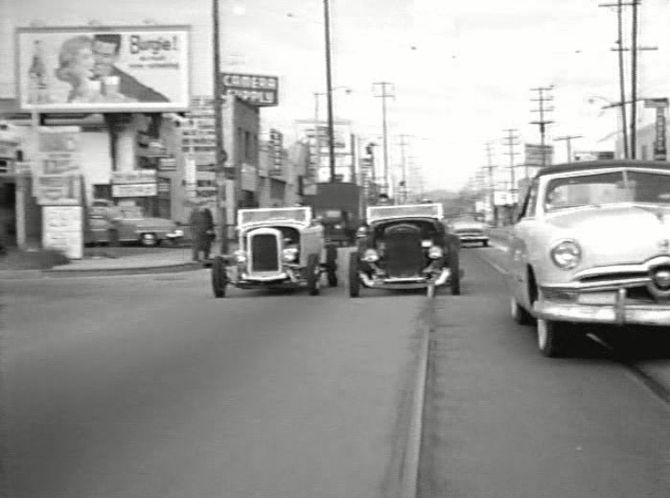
(503, 421)
(148, 387)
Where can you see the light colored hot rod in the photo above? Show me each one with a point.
(277, 248)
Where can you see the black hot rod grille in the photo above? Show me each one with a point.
(264, 253)
(404, 255)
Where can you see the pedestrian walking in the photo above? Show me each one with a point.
(202, 226)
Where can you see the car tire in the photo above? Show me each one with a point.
(519, 313)
(553, 338)
(354, 282)
(219, 277)
(454, 271)
(313, 275)
(148, 239)
(485, 243)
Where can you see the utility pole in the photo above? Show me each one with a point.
(329, 92)
(542, 122)
(403, 166)
(384, 85)
(511, 140)
(489, 169)
(568, 141)
(635, 49)
(227, 213)
(622, 86)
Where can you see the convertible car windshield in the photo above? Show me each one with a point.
(607, 188)
(298, 214)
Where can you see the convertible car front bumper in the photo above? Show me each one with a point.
(610, 308)
(395, 283)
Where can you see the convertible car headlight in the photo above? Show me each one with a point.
(370, 256)
(290, 254)
(240, 256)
(435, 252)
(566, 254)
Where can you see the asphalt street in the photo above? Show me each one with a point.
(147, 386)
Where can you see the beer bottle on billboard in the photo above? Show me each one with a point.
(38, 75)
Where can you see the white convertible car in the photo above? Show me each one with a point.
(592, 245)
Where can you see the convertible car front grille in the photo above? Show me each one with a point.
(264, 255)
(404, 254)
(608, 277)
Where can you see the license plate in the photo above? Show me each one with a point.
(597, 298)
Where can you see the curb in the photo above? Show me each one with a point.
(99, 272)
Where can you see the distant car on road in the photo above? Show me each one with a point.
(470, 229)
(405, 247)
(278, 248)
(592, 245)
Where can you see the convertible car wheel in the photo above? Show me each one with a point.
(219, 277)
(313, 275)
(553, 338)
(354, 282)
(519, 313)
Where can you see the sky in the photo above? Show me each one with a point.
(461, 72)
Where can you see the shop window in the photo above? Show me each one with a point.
(102, 191)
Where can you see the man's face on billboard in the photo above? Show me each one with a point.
(105, 57)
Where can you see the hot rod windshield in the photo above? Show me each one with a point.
(416, 210)
(607, 188)
(301, 215)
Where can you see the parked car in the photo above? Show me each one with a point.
(278, 248)
(111, 224)
(592, 245)
(470, 229)
(404, 247)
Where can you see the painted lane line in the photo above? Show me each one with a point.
(495, 266)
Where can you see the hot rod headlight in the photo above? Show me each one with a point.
(435, 252)
(290, 254)
(566, 254)
(240, 256)
(370, 256)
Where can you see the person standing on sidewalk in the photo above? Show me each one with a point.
(202, 226)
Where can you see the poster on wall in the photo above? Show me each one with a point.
(62, 229)
(103, 69)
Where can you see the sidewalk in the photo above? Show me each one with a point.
(125, 260)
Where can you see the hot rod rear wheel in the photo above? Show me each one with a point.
(219, 277)
(553, 338)
(354, 282)
(313, 274)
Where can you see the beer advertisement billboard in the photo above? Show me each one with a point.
(103, 69)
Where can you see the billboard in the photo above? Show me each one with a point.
(256, 89)
(103, 69)
(538, 155)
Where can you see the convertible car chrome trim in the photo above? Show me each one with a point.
(404, 282)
